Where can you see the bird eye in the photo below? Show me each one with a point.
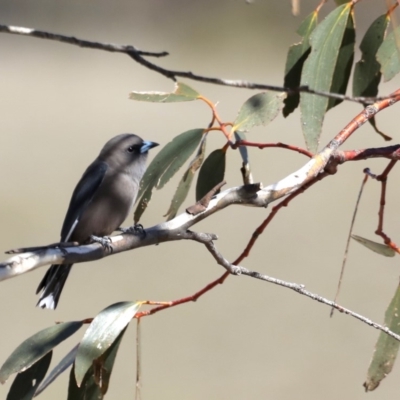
(131, 149)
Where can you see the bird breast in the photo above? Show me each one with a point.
(109, 207)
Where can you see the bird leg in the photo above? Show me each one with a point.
(104, 241)
(136, 229)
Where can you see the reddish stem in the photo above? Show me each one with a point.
(279, 144)
(193, 297)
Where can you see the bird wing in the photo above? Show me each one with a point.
(82, 196)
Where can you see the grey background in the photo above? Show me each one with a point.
(246, 339)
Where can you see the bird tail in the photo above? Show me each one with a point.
(52, 285)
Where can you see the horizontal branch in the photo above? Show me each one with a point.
(138, 56)
(115, 48)
(250, 195)
(177, 229)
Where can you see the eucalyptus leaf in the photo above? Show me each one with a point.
(379, 248)
(296, 57)
(259, 109)
(88, 389)
(344, 62)
(388, 55)
(165, 164)
(181, 93)
(97, 379)
(386, 348)
(65, 363)
(211, 173)
(367, 73)
(186, 181)
(26, 382)
(37, 346)
(101, 334)
(318, 73)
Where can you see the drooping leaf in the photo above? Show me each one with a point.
(319, 70)
(259, 109)
(367, 74)
(211, 173)
(26, 382)
(379, 248)
(182, 92)
(386, 348)
(35, 347)
(388, 55)
(104, 365)
(65, 363)
(88, 389)
(186, 181)
(96, 381)
(101, 334)
(344, 62)
(296, 57)
(165, 164)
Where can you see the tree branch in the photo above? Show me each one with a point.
(115, 48)
(177, 229)
(138, 56)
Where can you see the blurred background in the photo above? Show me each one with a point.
(245, 339)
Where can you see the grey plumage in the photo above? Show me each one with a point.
(101, 201)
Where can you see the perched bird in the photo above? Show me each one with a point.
(100, 203)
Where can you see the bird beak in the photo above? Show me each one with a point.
(146, 146)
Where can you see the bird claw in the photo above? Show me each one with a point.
(134, 230)
(104, 241)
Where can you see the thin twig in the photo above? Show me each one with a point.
(301, 290)
(346, 251)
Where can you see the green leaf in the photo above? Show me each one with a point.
(104, 365)
(259, 109)
(379, 248)
(37, 346)
(88, 389)
(389, 55)
(101, 334)
(344, 63)
(96, 381)
(367, 73)
(386, 348)
(26, 382)
(165, 164)
(296, 57)
(319, 70)
(186, 181)
(182, 92)
(211, 173)
(65, 363)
